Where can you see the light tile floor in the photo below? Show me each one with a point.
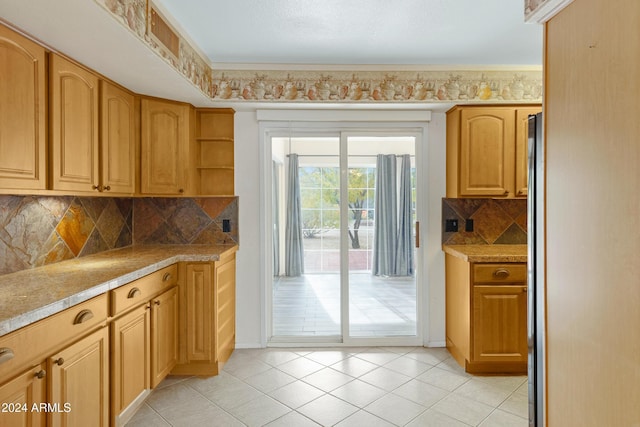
(309, 305)
(363, 386)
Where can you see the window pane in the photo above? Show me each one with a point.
(310, 198)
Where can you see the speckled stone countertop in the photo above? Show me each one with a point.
(30, 295)
(488, 253)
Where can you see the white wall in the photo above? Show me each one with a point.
(247, 175)
(435, 332)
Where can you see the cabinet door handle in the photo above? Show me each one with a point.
(166, 277)
(59, 361)
(157, 302)
(501, 273)
(107, 188)
(133, 293)
(40, 374)
(524, 289)
(83, 316)
(6, 354)
(417, 234)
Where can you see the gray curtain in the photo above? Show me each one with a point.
(386, 206)
(294, 251)
(404, 246)
(275, 190)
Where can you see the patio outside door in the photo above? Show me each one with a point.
(380, 238)
(357, 285)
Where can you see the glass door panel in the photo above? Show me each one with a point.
(381, 275)
(308, 304)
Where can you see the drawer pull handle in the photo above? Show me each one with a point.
(166, 277)
(6, 354)
(133, 293)
(83, 316)
(501, 273)
(40, 374)
(59, 361)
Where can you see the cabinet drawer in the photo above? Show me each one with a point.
(141, 290)
(500, 273)
(29, 345)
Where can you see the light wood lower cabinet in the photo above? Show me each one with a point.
(19, 396)
(486, 315)
(143, 339)
(207, 321)
(164, 335)
(130, 361)
(93, 366)
(79, 382)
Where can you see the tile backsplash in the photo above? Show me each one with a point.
(495, 221)
(40, 230)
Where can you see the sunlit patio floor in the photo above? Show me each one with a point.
(309, 305)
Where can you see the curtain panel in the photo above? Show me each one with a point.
(294, 250)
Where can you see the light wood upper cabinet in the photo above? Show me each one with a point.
(22, 113)
(487, 151)
(117, 139)
(74, 126)
(522, 149)
(164, 147)
(214, 150)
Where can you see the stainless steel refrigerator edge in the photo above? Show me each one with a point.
(535, 269)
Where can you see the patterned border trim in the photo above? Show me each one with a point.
(373, 86)
(541, 11)
(329, 86)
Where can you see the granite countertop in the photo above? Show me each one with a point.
(488, 253)
(30, 295)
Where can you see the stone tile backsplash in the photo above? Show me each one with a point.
(495, 221)
(40, 230)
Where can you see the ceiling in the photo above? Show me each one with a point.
(351, 35)
(401, 32)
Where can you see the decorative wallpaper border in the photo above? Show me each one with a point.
(378, 86)
(460, 86)
(541, 11)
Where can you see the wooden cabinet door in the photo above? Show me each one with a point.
(164, 147)
(22, 112)
(499, 323)
(130, 358)
(19, 396)
(486, 152)
(199, 311)
(74, 126)
(225, 300)
(522, 149)
(164, 335)
(79, 378)
(117, 139)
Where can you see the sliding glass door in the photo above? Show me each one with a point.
(344, 238)
(381, 253)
